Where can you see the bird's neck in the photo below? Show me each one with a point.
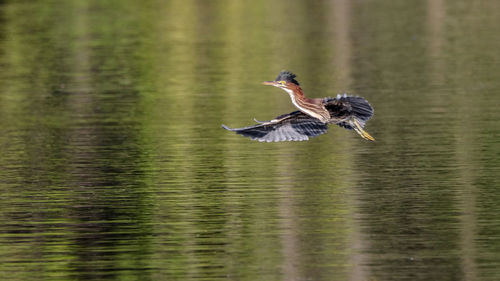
(299, 95)
(311, 107)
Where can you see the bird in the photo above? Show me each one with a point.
(312, 117)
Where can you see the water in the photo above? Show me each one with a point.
(114, 165)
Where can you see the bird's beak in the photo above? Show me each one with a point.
(270, 83)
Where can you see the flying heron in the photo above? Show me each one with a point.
(313, 116)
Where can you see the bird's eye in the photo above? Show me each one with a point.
(282, 82)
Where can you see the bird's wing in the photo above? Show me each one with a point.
(295, 126)
(344, 107)
(350, 112)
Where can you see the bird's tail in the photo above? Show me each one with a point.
(359, 129)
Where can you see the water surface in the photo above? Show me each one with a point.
(114, 165)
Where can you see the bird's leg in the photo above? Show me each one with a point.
(357, 127)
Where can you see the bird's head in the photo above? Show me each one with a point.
(285, 80)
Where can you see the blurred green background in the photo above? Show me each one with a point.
(113, 165)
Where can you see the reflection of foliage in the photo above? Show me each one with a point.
(112, 155)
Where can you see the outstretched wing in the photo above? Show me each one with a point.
(295, 126)
(344, 107)
(350, 112)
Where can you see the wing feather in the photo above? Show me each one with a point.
(344, 108)
(295, 126)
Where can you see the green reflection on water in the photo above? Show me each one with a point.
(114, 165)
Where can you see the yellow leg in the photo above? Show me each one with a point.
(360, 131)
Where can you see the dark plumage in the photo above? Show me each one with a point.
(288, 77)
(295, 126)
